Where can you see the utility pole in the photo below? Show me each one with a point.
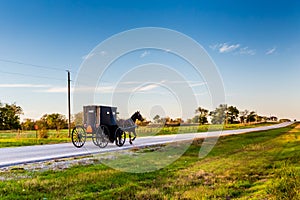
(69, 103)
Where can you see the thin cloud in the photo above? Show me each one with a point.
(148, 87)
(90, 55)
(225, 48)
(195, 84)
(247, 51)
(166, 82)
(82, 89)
(168, 50)
(124, 87)
(271, 51)
(55, 90)
(101, 89)
(233, 48)
(22, 86)
(130, 82)
(145, 53)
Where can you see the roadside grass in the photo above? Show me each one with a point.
(149, 131)
(27, 138)
(258, 165)
(30, 141)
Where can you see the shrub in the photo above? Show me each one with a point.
(43, 133)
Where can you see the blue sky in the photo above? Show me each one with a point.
(254, 45)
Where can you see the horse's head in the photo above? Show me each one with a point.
(137, 115)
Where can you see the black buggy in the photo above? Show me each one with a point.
(99, 123)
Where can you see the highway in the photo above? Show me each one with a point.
(28, 154)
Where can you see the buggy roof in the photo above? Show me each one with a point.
(104, 115)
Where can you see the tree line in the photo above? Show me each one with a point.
(10, 118)
(48, 121)
(228, 115)
(223, 114)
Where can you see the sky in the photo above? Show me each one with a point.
(253, 44)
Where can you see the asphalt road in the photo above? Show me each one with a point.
(28, 154)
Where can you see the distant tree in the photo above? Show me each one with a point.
(42, 127)
(188, 121)
(195, 119)
(78, 118)
(219, 114)
(28, 124)
(251, 117)
(284, 120)
(142, 123)
(56, 121)
(273, 118)
(243, 116)
(203, 113)
(10, 116)
(259, 118)
(232, 114)
(179, 120)
(166, 120)
(156, 119)
(53, 121)
(42, 123)
(264, 118)
(172, 122)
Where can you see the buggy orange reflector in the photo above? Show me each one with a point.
(89, 129)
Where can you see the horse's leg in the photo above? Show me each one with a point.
(134, 133)
(129, 134)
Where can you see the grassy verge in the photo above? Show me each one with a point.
(259, 165)
(26, 138)
(148, 131)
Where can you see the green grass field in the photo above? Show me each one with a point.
(148, 131)
(258, 165)
(26, 138)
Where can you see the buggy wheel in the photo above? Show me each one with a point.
(78, 136)
(101, 137)
(120, 137)
(94, 138)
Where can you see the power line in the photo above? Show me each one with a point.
(41, 67)
(43, 77)
(32, 65)
(34, 76)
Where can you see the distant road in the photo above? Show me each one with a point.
(20, 155)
